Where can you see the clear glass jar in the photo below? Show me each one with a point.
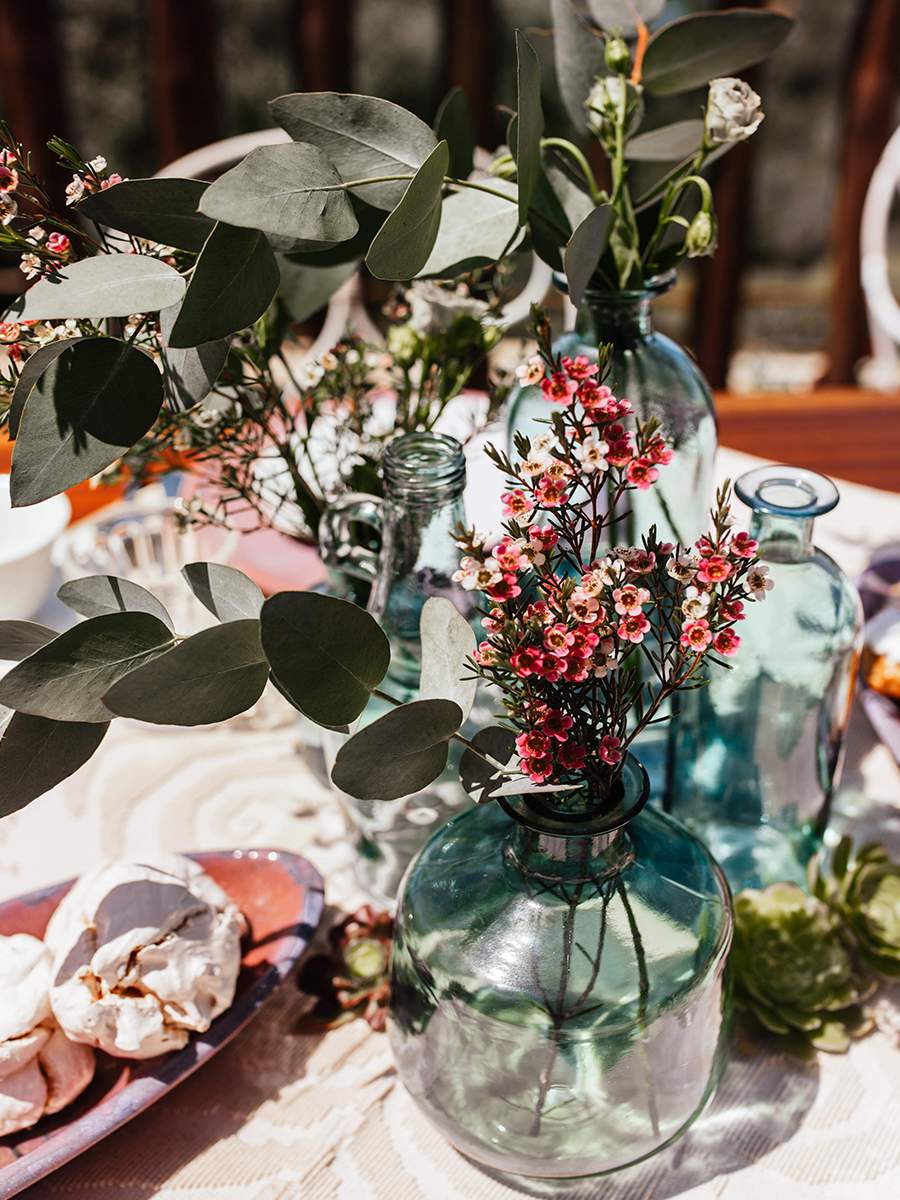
(661, 380)
(559, 1001)
(756, 754)
(424, 479)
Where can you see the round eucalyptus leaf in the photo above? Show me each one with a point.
(585, 250)
(18, 639)
(670, 143)
(235, 280)
(578, 57)
(402, 245)
(31, 372)
(67, 679)
(108, 285)
(97, 595)
(214, 675)
(36, 754)
(453, 124)
(92, 403)
(361, 136)
(400, 753)
(478, 776)
(328, 655)
(291, 190)
(189, 373)
(529, 122)
(354, 249)
(229, 594)
(162, 210)
(448, 640)
(695, 49)
(621, 16)
(306, 288)
(475, 230)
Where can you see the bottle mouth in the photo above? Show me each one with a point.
(423, 461)
(787, 491)
(538, 812)
(654, 286)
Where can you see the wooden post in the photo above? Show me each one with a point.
(324, 42)
(31, 79)
(470, 45)
(185, 90)
(867, 126)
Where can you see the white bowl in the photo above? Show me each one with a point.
(26, 539)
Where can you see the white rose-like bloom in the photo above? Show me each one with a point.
(434, 309)
(144, 955)
(41, 1071)
(733, 111)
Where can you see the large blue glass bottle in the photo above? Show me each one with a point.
(756, 754)
(559, 1001)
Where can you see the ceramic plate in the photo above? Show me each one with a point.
(281, 897)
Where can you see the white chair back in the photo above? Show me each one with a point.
(882, 370)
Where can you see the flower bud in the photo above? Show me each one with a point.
(700, 238)
(733, 111)
(605, 101)
(403, 343)
(618, 56)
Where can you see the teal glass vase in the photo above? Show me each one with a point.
(559, 1002)
(662, 381)
(424, 477)
(756, 753)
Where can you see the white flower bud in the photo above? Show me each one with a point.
(605, 100)
(733, 111)
(700, 238)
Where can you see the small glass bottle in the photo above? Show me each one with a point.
(424, 479)
(756, 753)
(559, 999)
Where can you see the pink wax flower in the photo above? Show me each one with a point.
(632, 629)
(642, 473)
(580, 367)
(714, 569)
(516, 503)
(630, 599)
(609, 750)
(571, 756)
(559, 389)
(58, 243)
(743, 545)
(695, 635)
(557, 724)
(726, 642)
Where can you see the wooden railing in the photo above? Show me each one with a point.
(186, 111)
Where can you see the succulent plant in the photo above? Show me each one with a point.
(864, 889)
(795, 969)
(352, 980)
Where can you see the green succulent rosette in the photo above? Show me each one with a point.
(865, 891)
(794, 968)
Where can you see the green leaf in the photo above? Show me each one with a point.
(209, 677)
(305, 289)
(189, 373)
(234, 282)
(91, 404)
(585, 249)
(404, 242)
(361, 136)
(448, 640)
(557, 207)
(291, 190)
(97, 595)
(529, 122)
(694, 49)
(18, 639)
(67, 679)
(671, 143)
(478, 776)
(475, 230)
(578, 55)
(618, 16)
(36, 754)
(108, 285)
(327, 654)
(370, 221)
(31, 372)
(162, 210)
(400, 753)
(229, 594)
(453, 124)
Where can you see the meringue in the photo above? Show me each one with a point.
(143, 955)
(41, 1071)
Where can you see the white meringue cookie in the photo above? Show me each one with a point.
(41, 1071)
(144, 955)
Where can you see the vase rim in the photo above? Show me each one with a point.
(655, 285)
(533, 814)
(786, 491)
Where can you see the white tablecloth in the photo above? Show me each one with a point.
(279, 1116)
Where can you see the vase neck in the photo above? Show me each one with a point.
(622, 318)
(574, 859)
(785, 502)
(782, 539)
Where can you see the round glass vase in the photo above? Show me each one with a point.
(661, 380)
(756, 754)
(559, 1002)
